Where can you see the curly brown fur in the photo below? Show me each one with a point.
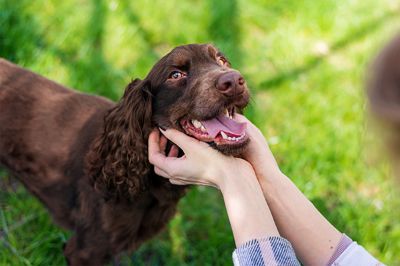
(85, 157)
(118, 161)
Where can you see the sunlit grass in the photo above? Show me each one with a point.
(306, 64)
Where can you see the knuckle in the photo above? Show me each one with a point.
(172, 172)
(159, 172)
(151, 158)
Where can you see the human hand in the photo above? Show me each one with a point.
(201, 164)
(258, 153)
(246, 207)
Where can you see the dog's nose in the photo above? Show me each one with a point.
(231, 83)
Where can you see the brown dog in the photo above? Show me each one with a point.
(85, 157)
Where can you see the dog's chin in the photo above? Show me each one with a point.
(231, 149)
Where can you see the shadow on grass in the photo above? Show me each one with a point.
(92, 72)
(142, 33)
(19, 33)
(313, 62)
(21, 37)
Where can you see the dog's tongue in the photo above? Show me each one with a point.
(223, 123)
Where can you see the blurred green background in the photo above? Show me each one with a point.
(306, 63)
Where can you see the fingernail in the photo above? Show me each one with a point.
(162, 128)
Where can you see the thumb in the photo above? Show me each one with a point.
(241, 118)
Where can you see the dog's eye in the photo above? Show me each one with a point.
(222, 61)
(177, 75)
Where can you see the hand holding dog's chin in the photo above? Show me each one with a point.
(201, 164)
(258, 153)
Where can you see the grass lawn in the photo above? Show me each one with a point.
(306, 64)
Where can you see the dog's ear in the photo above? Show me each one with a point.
(117, 163)
(137, 105)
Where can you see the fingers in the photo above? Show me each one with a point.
(181, 182)
(250, 126)
(241, 118)
(174, 151)
(161, 172)
(164, 166)
(154, 139)
(184, 142)
(156, 155)
(163, 143)
(172, 180)
(177, 182)
(178, 170)
(154, 147)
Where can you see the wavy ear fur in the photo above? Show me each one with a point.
(118, 161)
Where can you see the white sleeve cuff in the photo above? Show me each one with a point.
(356, 255)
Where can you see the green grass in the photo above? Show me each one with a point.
(310, 106)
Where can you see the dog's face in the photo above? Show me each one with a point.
(196, 91)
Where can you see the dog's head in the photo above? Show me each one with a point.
(194, 89)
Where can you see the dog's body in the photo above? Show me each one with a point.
(46, 131)
(85, 157)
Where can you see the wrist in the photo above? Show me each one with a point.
(247, 209)
(267, 173)
(272, 184)
(235, 174)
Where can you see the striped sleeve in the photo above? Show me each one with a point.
(274, 251)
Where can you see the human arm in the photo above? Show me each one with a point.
(312, 236)
(300, 222)
(247, 209)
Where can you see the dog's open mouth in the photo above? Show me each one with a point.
(221, 130)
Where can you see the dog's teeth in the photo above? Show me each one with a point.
(224, 136)
(203, 128)
(196, 124)
(226, 112)
(229, 114)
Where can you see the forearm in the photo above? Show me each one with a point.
(299, 221)
(248, 212)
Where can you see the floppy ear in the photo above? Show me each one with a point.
(117, 163)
